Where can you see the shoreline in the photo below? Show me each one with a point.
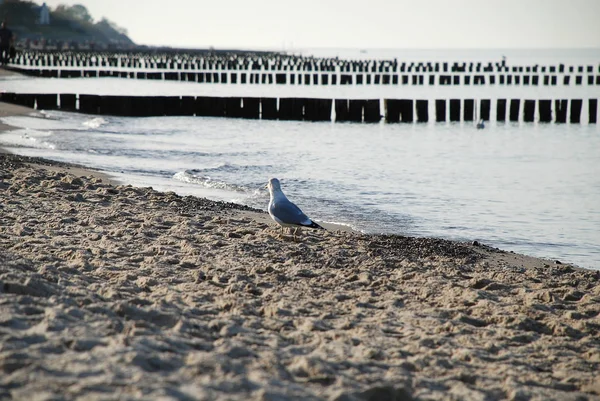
(260, 216)
(117, 291)
(7, 109)
(257, 215)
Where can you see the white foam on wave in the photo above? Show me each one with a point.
(45, 121)
(95, 122)
(27, 138)
(210, 183)
(205, 181)
(348, 225)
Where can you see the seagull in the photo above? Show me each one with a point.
(284, 212)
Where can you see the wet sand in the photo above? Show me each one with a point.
(7, 109)
(118, 292)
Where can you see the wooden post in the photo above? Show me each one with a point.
(576, 111)
(454, 109)
(46, 101)
(406, 110)
(210, 106)
(188, 105)
(89, 104)
(114, 105)
(514, 109)
(341, 110)
(157, 106)
(545, 108)
(68, 102)
(268, 108)
(233, 107)
(291, 108)
(529, 111)
(317, 109)
(501, 110)
(372, 111)
(484, 111)
(392, 107)
(422, 111)
(440, 110)
(468, 109)
(355, 110)
(561, 110)
(593, 111)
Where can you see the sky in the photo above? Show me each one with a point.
(285, 25)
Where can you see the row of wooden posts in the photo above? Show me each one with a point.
(229, 61)
(351, 110)
(326, 78)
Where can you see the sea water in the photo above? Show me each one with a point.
(527, 187)
(531, 188)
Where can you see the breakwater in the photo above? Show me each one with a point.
(291, 87)
(282, 69)
(341, 110)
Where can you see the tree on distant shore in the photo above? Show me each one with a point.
(77, 12)
(67, 23)
(113, 26)
(80, 13)
(17, 12)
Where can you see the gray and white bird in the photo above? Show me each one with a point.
(284, 212)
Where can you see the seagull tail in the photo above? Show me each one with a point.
(315, 225)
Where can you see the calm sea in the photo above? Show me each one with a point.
(527, 187)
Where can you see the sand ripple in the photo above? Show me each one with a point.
(119, 292)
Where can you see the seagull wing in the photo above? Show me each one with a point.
(288, 213)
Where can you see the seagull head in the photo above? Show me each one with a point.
(274, 185)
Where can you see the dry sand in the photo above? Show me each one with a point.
(117, 292)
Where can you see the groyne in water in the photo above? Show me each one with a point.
(282, 69)
(398, 91)
(306, 109)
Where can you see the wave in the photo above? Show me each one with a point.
(352, 227)
(45, 114)
(229, 168)
(95, 122)
(26, 138)
(192, 177)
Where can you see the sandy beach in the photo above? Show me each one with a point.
(111, 291)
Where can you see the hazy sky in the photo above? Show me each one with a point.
(281, 24)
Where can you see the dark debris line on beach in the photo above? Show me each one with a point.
(10, 161)
(189, 205)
